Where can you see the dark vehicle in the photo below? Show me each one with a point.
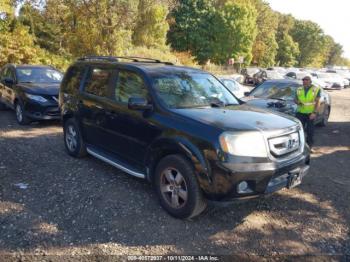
(248, 74)
(280, 94)
(180, 129)
(32, 91)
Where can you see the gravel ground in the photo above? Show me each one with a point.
(52, 204)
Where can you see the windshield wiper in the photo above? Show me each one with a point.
(277, 98)
(26, 82)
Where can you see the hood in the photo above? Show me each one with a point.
(287, 107)
(40, 88)
(239, 118)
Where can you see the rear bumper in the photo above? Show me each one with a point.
(261, 179)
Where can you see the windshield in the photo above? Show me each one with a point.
(232, 85)
(285, 91)
(38, 75)
(187, 90)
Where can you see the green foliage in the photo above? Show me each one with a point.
(265, 44)
(311, 40)
(151, 27)
(56, 32)
(288, 49)
(211, 32)
(237, 33)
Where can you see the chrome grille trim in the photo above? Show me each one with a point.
(293, 153)
(283, 145)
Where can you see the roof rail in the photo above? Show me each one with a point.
(104, 58)
(117, 59)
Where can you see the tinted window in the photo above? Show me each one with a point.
(282, 90)
(129, 84)
(38, 75)
(98, 81)
(72, 80)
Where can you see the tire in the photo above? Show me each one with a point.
(177, 187)
(73, 140)
(21, 117)
(325, 117)
(2, 106)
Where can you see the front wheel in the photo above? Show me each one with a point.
(177, 187)
(21, 117)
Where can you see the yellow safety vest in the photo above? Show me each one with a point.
(307, 101)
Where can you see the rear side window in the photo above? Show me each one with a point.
(129, 84)
(98, 81)
(71, 82)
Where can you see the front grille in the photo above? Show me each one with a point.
(284, 145)
(52, 111)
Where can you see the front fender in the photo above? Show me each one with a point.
(178, 145)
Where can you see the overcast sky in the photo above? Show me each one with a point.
(332, 15)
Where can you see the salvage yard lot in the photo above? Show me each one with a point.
(51, 203)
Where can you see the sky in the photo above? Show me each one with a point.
(332, 15)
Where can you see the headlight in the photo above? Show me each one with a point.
(36, 98)
(250, 144)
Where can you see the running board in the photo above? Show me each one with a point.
(120, 166)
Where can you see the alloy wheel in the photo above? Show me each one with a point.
(173, 188)
(71, 138)
(19, 113)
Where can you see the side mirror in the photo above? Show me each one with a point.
(8, 81)
(138, 103)
(246, 93)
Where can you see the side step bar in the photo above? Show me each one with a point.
(114, 163)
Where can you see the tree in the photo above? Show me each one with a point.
(288, 49)
(334, 52)
(237, 34)
(212, 31)
(265, 44)
(151, 26)
(311, 40)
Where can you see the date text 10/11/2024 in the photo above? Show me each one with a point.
(173, 258)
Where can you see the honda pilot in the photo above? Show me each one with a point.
(180, 129)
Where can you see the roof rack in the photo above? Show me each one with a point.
(117, 59)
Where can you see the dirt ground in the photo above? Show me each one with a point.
(52, 204)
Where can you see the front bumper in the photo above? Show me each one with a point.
(261, 179)
(42, 111)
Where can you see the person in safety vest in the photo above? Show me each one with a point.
(308, 101)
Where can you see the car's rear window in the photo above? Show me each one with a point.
(284, 90)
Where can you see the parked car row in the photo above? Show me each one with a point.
(326, 78)
(178, 128)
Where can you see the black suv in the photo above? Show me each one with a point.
(32, 91)
(180, 129)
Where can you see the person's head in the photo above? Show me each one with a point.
(307, 81)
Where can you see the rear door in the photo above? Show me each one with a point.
(95, 103)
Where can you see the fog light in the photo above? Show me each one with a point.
(243, 188)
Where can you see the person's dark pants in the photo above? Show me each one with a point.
(309, 127)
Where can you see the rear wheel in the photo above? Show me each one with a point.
(325, 117)
(2, 106)
(73, 140)
(21, 117)
(177, 187)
